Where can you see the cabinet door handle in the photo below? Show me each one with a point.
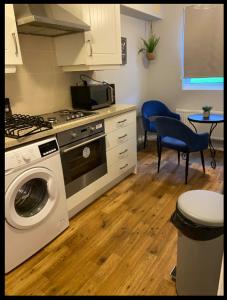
(121, 137)
(122, 121)
(126, 150)
(15, 42)
(91, 50)
(124, 167)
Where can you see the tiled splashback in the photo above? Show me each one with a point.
(38, 86)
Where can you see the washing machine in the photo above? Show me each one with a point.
(35, 200)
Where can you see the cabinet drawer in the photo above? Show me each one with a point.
(120, 121)
(120, 136)
(122, 166)
(122, 153)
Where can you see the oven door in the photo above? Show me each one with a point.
(83, 163)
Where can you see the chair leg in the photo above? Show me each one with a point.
(178, 152)
(145, 139)
(202, 160)
(186, 168)
(159, 148)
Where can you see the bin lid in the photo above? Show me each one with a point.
(202, 207)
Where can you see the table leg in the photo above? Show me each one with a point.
(212, 150)
(193, 126)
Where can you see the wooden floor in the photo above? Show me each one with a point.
(123, 243)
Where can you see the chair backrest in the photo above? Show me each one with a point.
(171, 127)
(154, 108)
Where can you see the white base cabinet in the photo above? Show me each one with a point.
(121, 143)
(121, 158)
(12, 46)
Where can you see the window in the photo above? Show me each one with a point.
(203, 83)
(203, 47)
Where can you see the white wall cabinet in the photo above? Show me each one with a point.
(148, 12)
(96, 49)
(12, 46)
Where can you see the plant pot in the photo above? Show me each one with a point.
(150, 55)
(206, 114)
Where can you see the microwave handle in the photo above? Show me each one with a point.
(111, 93)
(82, 144)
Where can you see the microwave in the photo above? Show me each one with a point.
(92, 97)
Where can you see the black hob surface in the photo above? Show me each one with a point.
(66, 115)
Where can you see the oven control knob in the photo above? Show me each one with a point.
(92, 128)
(73, 134)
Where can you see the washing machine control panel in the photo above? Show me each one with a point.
(48, 148)
(21, 156)
(17, 158)
(27, 156)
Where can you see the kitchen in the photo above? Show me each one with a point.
(40, 86)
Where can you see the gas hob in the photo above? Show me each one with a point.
(66, 115)
(17, 125)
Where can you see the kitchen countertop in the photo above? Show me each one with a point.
(103, 113)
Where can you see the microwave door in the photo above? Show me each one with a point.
(110, 94)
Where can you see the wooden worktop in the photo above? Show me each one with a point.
(103, 113)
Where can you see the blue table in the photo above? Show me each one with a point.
(213, 119)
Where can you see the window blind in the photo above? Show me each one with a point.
(203, 40)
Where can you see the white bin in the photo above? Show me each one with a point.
(199, 217)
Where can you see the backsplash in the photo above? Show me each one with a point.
(38, 86)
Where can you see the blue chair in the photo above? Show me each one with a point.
(151, 109)
(174, 134)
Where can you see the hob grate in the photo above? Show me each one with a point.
(19, 125)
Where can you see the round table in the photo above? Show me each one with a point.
(213, 119)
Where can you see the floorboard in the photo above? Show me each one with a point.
(124, 242)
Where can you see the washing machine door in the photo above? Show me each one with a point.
(30, 198)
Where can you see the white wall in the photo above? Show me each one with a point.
(165, 73)
(132, 81)
(140, 80)
(39, 86)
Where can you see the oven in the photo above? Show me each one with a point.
(83, 155)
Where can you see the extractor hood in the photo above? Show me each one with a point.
(40, 19)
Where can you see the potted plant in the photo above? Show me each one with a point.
(206, 111)
(149, 46)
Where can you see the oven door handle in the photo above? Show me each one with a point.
(84, 143)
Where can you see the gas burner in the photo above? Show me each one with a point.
(66, 115)
(64, 112)
(70, 117)
(52, 120)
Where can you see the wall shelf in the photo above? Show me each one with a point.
(147, 12)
